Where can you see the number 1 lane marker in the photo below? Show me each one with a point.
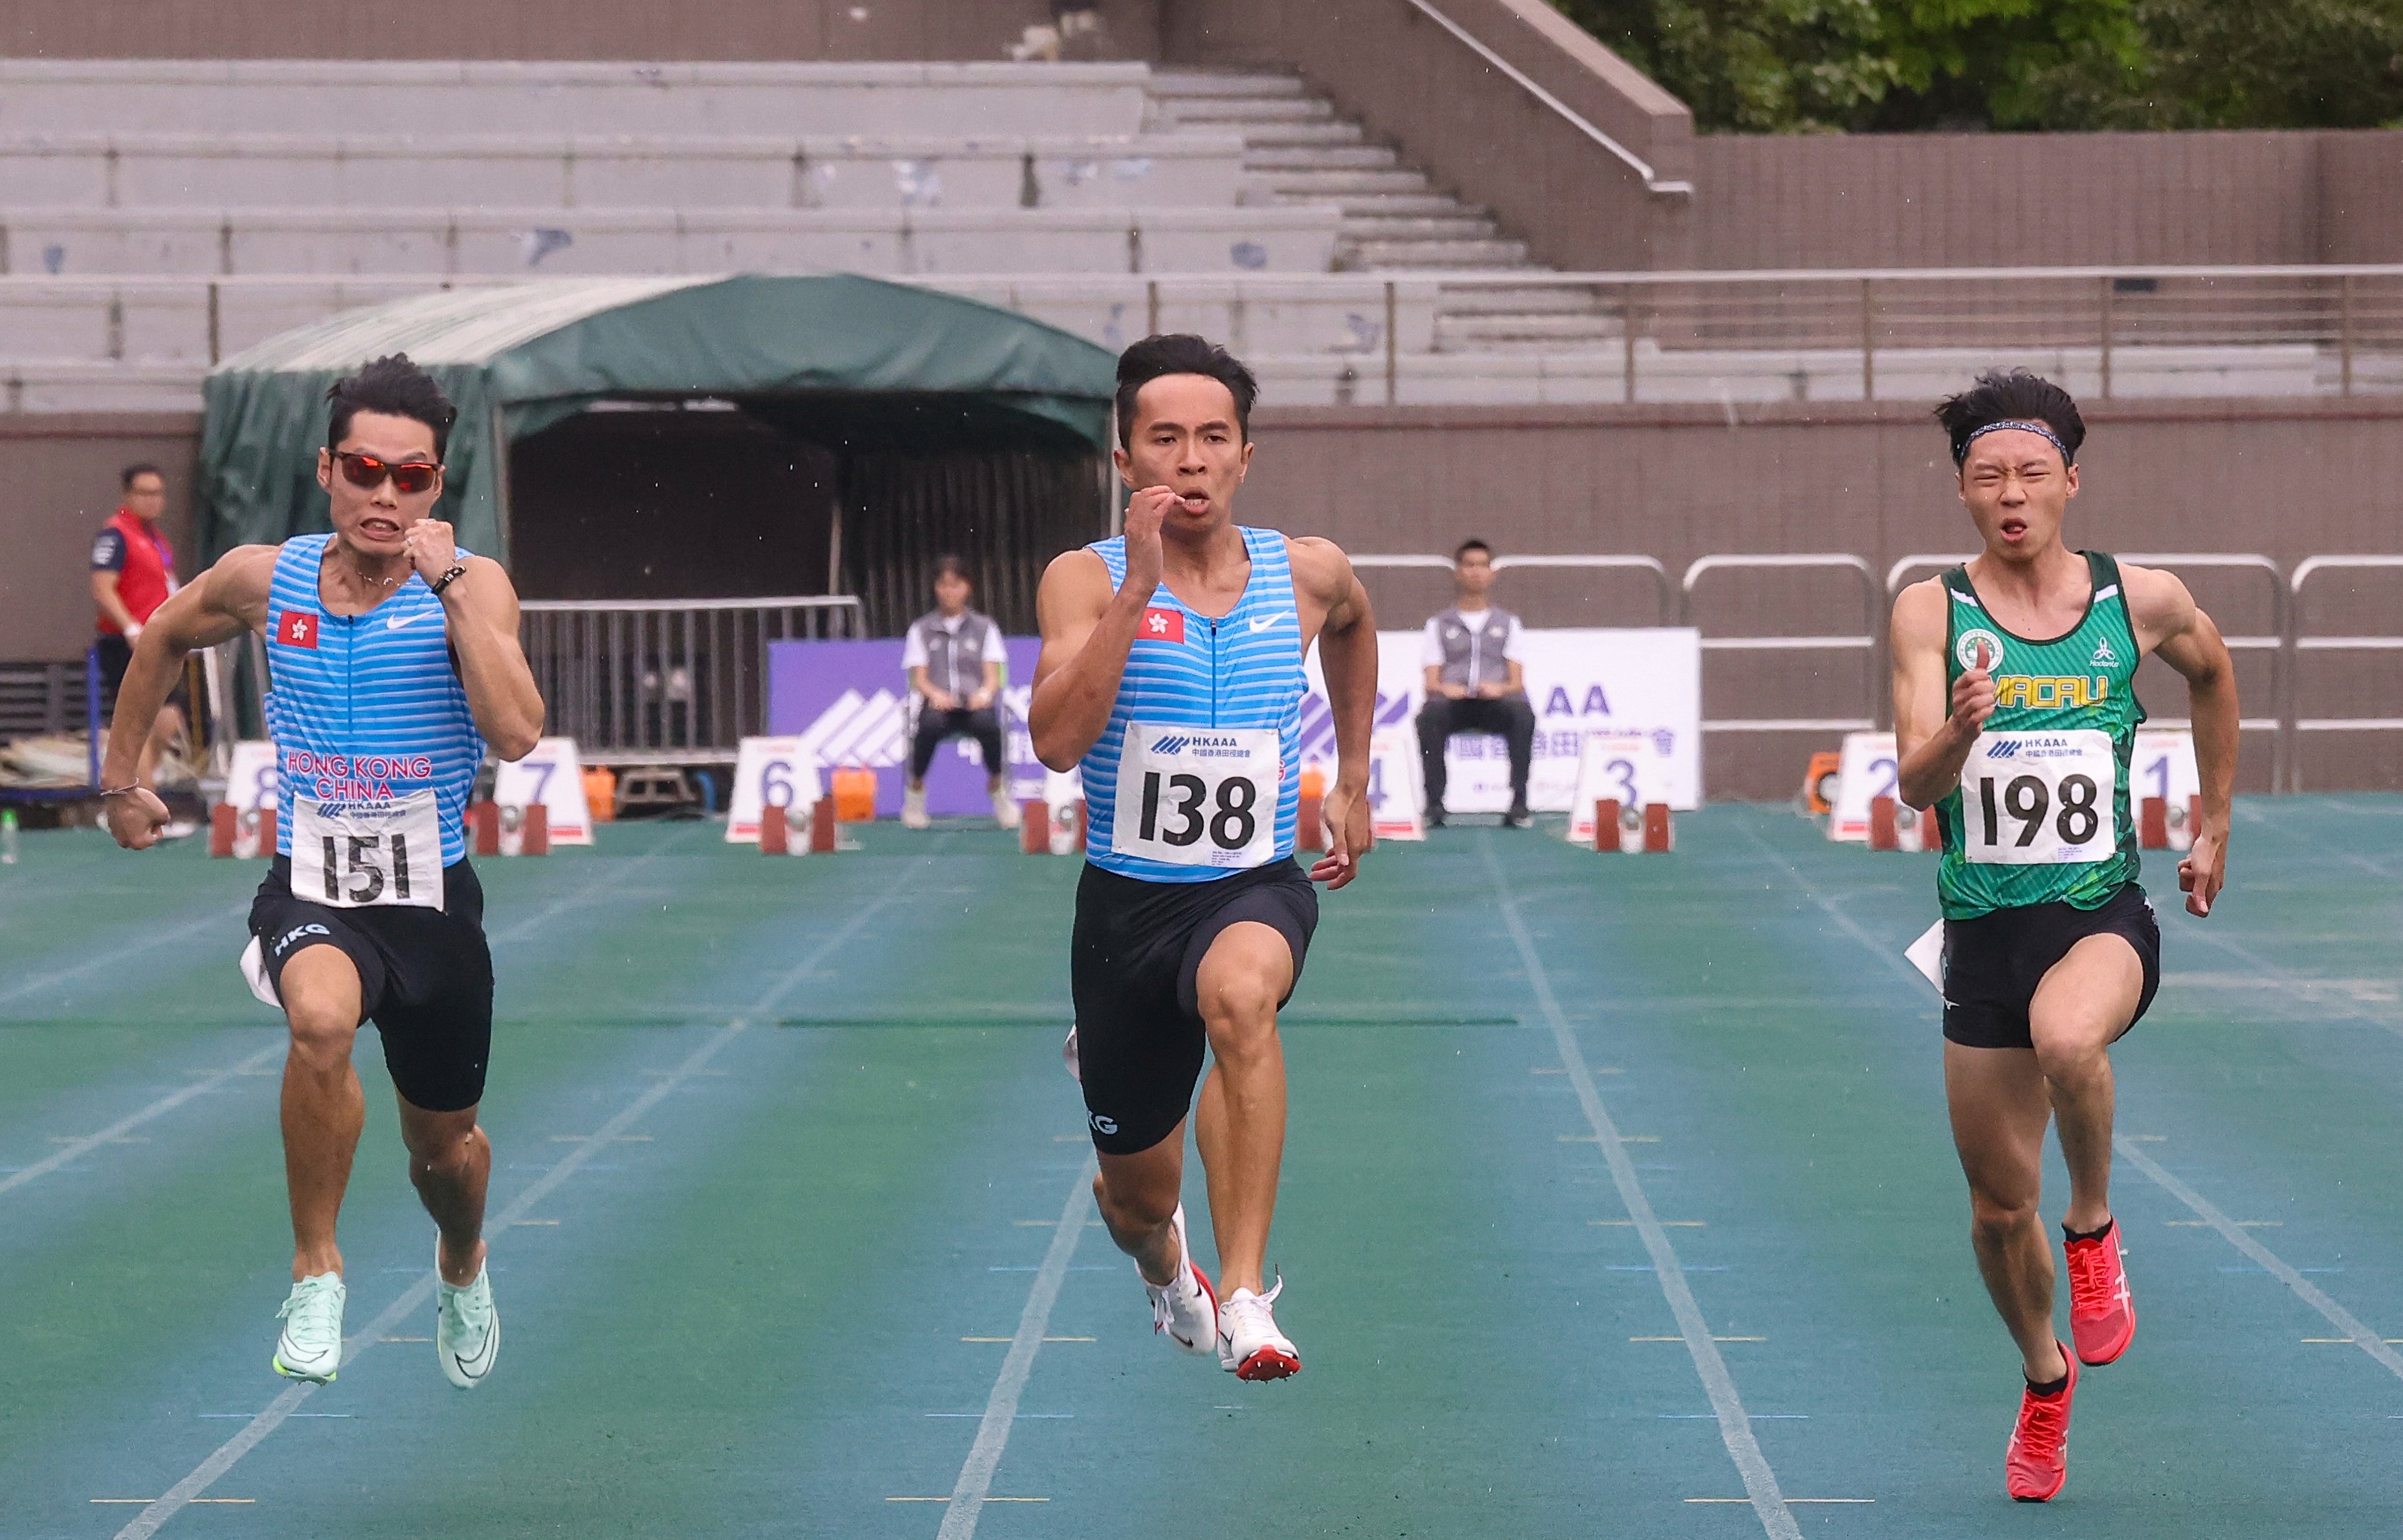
(1735, 1427)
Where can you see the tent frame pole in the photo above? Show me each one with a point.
(501, 516)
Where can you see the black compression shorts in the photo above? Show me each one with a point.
(425, 978)
(1993, 964)
(1133, 964)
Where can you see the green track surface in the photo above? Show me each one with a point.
(746, 1315)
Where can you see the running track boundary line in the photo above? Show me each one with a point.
(1001, 1408)
(152, 1519)
(251, 1065)
(118, 954)
(133, 1120)
(2304, 1290)
(1735, 1427)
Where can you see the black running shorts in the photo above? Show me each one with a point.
(1993, 964)
(425, 978)
(1132, 961)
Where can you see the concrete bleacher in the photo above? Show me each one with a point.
(160, 170)
(416, 97)
(489, 242)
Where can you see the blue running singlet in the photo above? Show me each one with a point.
(376, 751)
(1198, 773)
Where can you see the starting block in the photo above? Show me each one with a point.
(2164, 825)
(1898, 826)
(243, 835)
(511, 830)
(814, 836)
(1632, 829)
(1046, 828)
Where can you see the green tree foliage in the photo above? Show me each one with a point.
(1805, 65)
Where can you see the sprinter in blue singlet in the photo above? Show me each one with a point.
(393, 658)
(1171, 677)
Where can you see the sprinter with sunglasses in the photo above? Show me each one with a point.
(394, 661)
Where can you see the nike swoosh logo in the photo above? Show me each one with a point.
(396, 622)
(1265, 622)
(482, 1363)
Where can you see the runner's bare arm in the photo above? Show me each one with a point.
(2168, 622)
(1086, 632)
(218, 606)
(1346, 625)
(480, 610)
(1931, 734)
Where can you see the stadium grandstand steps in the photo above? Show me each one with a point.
(1395, 219)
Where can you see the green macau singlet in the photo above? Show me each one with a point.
(2041, 814)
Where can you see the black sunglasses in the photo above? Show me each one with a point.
(408, 476)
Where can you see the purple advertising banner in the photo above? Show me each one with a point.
(851, 702)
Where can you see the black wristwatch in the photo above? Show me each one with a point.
(446, 580)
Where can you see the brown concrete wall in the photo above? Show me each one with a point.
(60, 488)
(2361, 197)
(751, 30)
(1468, 124)
(2284, 480)
(1992, 200)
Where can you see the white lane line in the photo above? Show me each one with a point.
(65, 1154)
(253, 1064)
(975, 1485)
(591, 892)
(2125, 1147)
(117, 953)
(150, 1519)
(2337, 1315)
(1735, 1427)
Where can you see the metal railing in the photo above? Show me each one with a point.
(1866, 643)
(1652, 181)
(667, 681)
(2299, 643)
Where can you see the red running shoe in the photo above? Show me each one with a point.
(2102, 1316)
(2036, 1466)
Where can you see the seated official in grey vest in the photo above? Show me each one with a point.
(1476, 682)
(953, 656)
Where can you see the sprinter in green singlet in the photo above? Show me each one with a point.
(2015, 718)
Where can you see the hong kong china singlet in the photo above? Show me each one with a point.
(2041, 814)
(376, 750)
(1198, 773)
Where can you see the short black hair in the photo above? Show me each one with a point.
(1470, 544)
(1182, 353)
(2011, 396)
(139, 467)
(398, 388)
(948, 565)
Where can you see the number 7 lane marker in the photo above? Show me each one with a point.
(1735, 1427)
(152, 1519)
(2123, 1147)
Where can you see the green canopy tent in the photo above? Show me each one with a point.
(850, 360)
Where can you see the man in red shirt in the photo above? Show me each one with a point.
(133, 573)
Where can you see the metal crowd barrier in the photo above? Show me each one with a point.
(1866, 643)
(667, 681)
(2299, 643)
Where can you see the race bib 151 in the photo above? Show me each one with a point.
(2040, 799)
(353, 855)
(1197, 797)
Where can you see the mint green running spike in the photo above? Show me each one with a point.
(310, 1347)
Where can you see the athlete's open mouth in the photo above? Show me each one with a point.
(2013, 528)
(379, 529)
(1196, 501)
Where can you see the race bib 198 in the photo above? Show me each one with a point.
(1197, 797)
(2040, 799)
(353, 855)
